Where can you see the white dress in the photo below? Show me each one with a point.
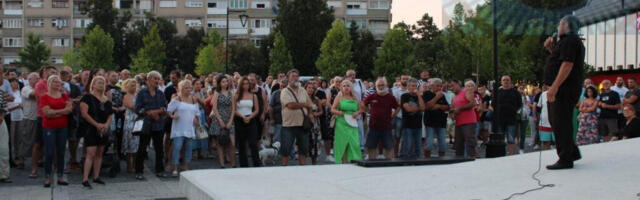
(183, 126)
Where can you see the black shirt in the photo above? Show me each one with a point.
(412, 120)
(435, 118)
(98, 110)
(631, 130)
(486, 115)
(169, 91)
(569, 48)
(636, 104)
(276, 106)
(510, 102)
(610, 98)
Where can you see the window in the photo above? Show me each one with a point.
(35, 22)
(59, 23)
(10, 60)
(257, 42)
(35, 4)
(379, 4)
(145, 5)
(12, 42)
(12, 23)
(261, 4)
(220, 23)
(168, 4)
(82, 23)
(212, 4)
(238, 4)
(57, 60)
(60, 4)
(60, 42)
(261, 23)
(193, 22)
(193, 4)
(334, 4)
(361, 23)
(353, 6)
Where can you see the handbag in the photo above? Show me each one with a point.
(201, 132)
(307, 125)
(142, 126)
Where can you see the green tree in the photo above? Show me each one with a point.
(152, 55)
(106, 16)
(188, 49)
(281, 60)
(211, 56)
(396, 56)
(246, 58)
(97, 50)
(304, 24)
(35, 53)
(72, 59)
(364, 53)
(335, 52)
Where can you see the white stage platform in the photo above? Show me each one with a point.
(606, 171)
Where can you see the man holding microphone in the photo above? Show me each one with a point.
(563, 73)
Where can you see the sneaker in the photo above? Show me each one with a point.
(330, 159)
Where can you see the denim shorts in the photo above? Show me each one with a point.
(291, 134)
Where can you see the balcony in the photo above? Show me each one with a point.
(356, 11)
(216, 11)
(238, 31)
(260, 31)
(13, 11)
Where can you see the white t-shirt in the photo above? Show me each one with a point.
(358, 89)
(183, 127)
(397, 93)
(16, 114)
(621, 92)
(29, 105)
(544, 113)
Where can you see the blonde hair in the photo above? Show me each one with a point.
(51, 79)
(104, 87)
(183, 83)
(350, 84)
(127, 83)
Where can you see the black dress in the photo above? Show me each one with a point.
(99, 112)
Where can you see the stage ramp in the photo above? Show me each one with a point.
(606, 171)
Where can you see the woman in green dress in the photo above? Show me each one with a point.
(346, 142)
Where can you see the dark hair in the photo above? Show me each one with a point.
(573, 21)
(593, 90)
(177, 72)
(218, 80)
(13, 80)
(64, 73)
(240, 91)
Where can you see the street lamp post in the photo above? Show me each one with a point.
(243, 21)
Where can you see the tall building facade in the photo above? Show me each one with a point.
(61, 24)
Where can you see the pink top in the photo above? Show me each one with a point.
(467, 116)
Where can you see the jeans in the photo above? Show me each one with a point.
(177, 146)
(156, 136)
(440, 133)
(397, 128)
(411, 138)
(509, 131)
(277, 132)
(55, 141)
(522, 125)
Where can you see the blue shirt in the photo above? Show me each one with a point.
(145, 101)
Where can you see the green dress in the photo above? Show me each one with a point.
(346, 136)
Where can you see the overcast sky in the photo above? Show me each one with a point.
(411, 11)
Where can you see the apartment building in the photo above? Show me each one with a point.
(61, 25)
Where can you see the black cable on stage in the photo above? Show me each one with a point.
(533, 176)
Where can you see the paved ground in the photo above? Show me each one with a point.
(124, 186)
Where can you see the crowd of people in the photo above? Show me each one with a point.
(102, 117)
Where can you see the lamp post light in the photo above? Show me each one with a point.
(243, 20)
